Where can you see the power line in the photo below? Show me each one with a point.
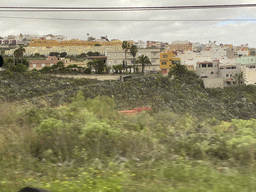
(145, 20)
(124, 8)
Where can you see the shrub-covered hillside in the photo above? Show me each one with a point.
(180, 95)
(87, 146)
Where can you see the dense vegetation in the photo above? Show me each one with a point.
(193, 140)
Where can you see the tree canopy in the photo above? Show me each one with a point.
(18, 53)
(97, 64)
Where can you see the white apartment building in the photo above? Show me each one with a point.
(115, 57)
(70, 50)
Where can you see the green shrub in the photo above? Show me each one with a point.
(102, 107)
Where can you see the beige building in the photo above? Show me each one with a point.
(181, 46)
(115, 57)
(249, 75)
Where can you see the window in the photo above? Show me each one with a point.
(203, 76)
(221, 68)
(115, 61)
(115, 54)
(203, 65)
(51, 58)
(226, 75)
(233, 67)
(165, 56)
(212, 72)
(176, 62)
(230, 75)
(154, 53)
(108, 55)
(43, 65)
(163, 63)
(34, 65)
(210, 65)
(228, 68)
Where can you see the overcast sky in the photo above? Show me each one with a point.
(236, 33)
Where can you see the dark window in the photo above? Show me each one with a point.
(226, 75)
(212, 72)
(210, 65)
(228, 67)
(203, 76)
(203, 65)
(221, 68)
(233, 67)
(175, 62)
(163, 63)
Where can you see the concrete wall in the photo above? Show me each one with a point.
(213, 82)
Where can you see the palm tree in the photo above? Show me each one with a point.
(143, 60)
(18, 53)
(239, 79)
(134, 51)
(125, 47)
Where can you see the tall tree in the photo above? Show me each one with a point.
(143, 60)
(63, 54)
(97, 64)
(125, 47)
(134, 51)
(18, 53)
(239, 80)
(54, 54)
(90, 64)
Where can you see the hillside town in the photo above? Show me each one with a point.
(217, 65)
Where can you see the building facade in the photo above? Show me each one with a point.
(181, 46)
(115, 57)
(167, 60)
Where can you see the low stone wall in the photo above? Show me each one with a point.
(98, 77)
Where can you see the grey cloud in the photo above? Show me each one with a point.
(236, 33)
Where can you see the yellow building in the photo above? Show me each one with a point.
(167, 60)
